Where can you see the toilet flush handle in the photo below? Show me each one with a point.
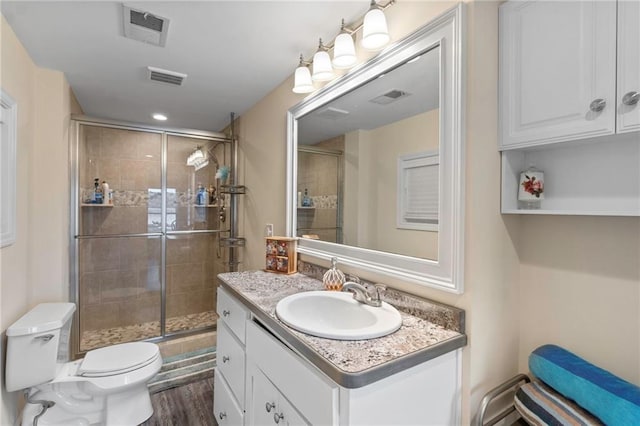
(45, 337)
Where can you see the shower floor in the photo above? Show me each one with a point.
(92, 339)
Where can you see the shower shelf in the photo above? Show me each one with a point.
(233, 189)
(95, 205)
(233, 242)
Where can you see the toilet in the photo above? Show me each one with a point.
(108, 387)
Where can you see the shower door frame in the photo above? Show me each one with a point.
(74, 208)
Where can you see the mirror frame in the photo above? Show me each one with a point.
(445, 273)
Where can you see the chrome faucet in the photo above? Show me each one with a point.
(362, 295)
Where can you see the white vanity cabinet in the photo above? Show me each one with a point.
(569, 104)
(229, 389)
(283, 387)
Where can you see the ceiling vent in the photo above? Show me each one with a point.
(331, 113)
(390, 97)
(145, 26)
(166, 76)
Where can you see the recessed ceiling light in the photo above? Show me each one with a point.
(159, 117)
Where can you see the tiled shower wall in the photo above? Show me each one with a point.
(318, 174)
(120, 277)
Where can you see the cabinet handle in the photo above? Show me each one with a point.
(225, 358)
(598, 105)
(277, 417)
(269, 406)
(226, 313)
(222, 415)
(631, 98)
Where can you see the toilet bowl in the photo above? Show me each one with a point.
(107, 387)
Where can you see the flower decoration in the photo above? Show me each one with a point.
(533, 186)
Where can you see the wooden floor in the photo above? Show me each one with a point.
(187, 405)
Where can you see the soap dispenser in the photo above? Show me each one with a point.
(333, 279)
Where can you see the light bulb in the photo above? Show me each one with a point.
(302, 80)
(322, 69)
(344, 52)
(374, 29)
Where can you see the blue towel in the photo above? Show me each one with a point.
(613, 400)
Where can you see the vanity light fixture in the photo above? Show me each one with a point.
(375, 36)
(344, 50)
(159, 117)
(322, 69)
(302, 80)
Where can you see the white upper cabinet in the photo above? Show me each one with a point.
(558, 70)
(569, 105)
(628, 66)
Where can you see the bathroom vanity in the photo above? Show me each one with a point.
(269, 373)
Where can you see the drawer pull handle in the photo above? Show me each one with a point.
(631, 98)
(277, 417)
(269, 406)
(597, 105)
(225, 358)
(222, 415)
(226, 313)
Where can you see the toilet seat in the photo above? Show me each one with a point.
(118, 359)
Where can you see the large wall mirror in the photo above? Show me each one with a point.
(375, 162)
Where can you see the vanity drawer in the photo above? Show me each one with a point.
(231, 362)
(232, 313)
(293, 376)
(225, 408)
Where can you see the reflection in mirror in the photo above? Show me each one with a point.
(393, 203)
(368, 163)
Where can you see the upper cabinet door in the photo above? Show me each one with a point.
(557, 71)
(628, 104)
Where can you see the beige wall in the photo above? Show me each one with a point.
(580, 288)
(371, 181)
(35, 268)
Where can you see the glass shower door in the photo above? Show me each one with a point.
(119, 243)
(196, 215)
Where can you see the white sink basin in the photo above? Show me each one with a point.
(336, 315)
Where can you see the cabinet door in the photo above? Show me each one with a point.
(628, 66)
(225, 408)
(268, 406)
(557, 59)
(264, 400)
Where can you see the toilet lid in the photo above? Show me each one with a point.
(118, 359)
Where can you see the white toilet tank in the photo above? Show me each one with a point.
(37, 345)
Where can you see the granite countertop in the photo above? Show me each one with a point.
(429, 329)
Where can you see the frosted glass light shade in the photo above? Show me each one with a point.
(344, 52)
(302, 80)
(374, 30)
(322, 70)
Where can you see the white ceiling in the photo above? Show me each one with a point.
(233, 52)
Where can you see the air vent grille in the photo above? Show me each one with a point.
(145, 26)
(389, 97)
(146, 20)
(165, 76)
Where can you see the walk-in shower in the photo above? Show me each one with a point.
(145, 260)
